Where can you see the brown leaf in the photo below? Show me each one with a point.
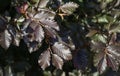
(91, 33)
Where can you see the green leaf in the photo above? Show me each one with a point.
(114, 28)
(99, 38)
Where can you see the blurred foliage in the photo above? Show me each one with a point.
(59, 37)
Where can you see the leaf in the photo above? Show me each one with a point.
(114, 28)
(114, 56)
(33, 35)
(68, 8)
(15, 34)
(44, 59)
(102, 65)
(50, 23)
(38, 32)
(112, 62)
(5, 39)
(49, 27)
(91, 33)
(2, 24)
(44, 14)
(109, 56)
(50, 32)
(62, 51)
(99, 38)
(57, 61)
(98, 56)
(114, 49)
(97, 46)
(42, 3)
(101, 19)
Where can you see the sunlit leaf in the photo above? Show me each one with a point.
(57, 61)
(42, 3)
(68, 8)
(99, 38)
(44, 14)
(44, 60)
(50, 23)
(5, 39)
(62, 51)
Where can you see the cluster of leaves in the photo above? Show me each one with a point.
(35, 24)
(88, 36)
(104, 42)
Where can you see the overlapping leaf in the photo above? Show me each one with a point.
(57, 61)
(44, 60)
(62, 51)
(42, 3)
(108, 55)
(33, 34)
(68, 8)
(102, 65)
(50, 26)
(5, 39)
(2, 24)
(15, 34)
(44, 14)
(115, 27)
(38, 31)
(51, 23)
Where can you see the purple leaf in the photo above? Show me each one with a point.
(5, 39)
(44, 59)
(62, 51)
(57, 61)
